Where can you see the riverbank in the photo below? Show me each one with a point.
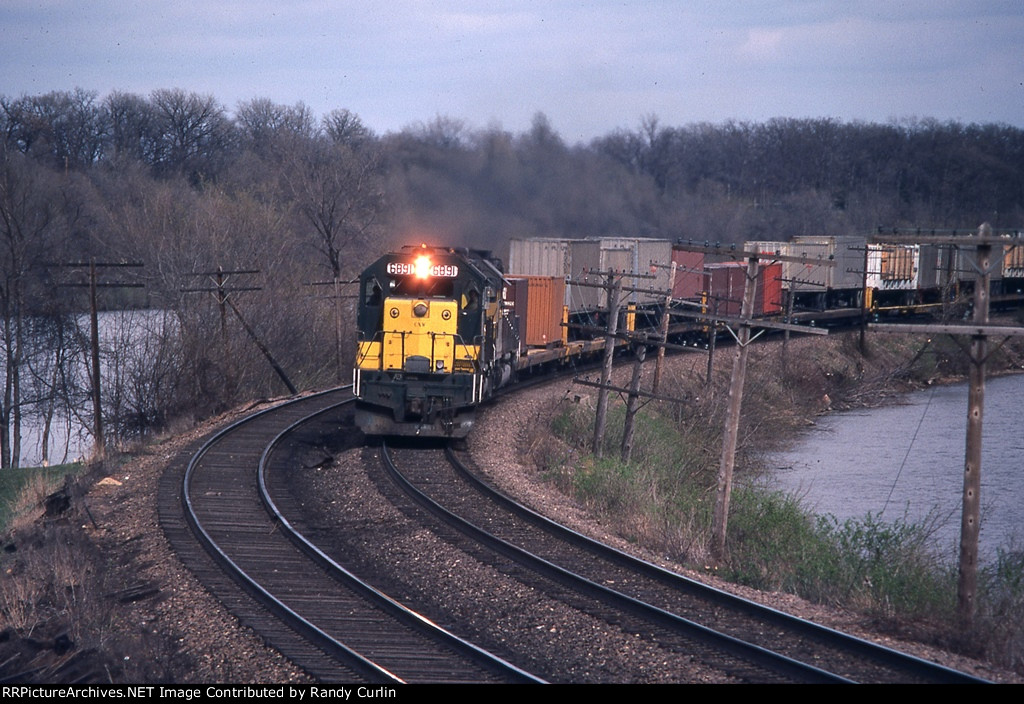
(663, 497)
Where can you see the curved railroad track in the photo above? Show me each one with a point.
(236, 500)
(325, 619)
(441, 481)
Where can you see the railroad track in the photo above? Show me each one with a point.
(773, 642)
(235, 496)
(325, 619)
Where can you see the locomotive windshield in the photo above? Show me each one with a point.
(421, 287)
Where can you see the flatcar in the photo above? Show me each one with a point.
(436, 337)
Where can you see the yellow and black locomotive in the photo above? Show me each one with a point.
(435, 339)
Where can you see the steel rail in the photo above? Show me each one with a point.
(390, 605)
(308, 630)
(882, 654)
(799, 671)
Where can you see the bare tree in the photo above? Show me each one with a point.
(268, 128)
(27, 224)
(338, 192)
(194, 134)
(345, 127)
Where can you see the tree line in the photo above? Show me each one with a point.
(177, 182)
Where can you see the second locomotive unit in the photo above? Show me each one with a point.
(435, 339)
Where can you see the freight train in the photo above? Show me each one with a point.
(435, 340)
(441, 330)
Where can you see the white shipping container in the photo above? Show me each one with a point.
(620, 254)
(541, 256)
(581, 259)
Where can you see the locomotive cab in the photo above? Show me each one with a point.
(432, 342)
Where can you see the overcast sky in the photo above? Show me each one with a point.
(591, 67)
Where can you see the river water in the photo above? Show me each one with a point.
(906, 462)
(126, 350)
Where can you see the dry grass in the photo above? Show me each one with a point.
(662, 498)
(53, 611)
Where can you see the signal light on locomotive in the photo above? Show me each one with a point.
(422, 267)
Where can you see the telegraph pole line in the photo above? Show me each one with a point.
(222, 295)
(99, 440)
(979, 332)
(723, 492)
(337, 285)
(614, 293)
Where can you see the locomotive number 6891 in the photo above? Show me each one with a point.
(435, 339)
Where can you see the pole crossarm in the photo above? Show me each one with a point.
(750, 322)
(971, 238)
(98, 265)
(620, 273)
(226, 272)
(216, 289)
(599, 385)
(340, 282)
(629, 289)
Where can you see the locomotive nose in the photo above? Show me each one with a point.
(420, 309)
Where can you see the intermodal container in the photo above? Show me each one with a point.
(538, 302)
(593, 257)
(894, 267)
(689, 282)
(1013, 261)
(847, 253)
(725, 284)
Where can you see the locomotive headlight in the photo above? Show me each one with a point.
(422, 267)
(420, 309)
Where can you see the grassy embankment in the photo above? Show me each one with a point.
(24, 488)
(60, 596)
(663, 498)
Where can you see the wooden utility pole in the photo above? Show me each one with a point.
(639, 352)
(665, 319)
(99, 440)
(99, 445)
(979, 331)
(614, 292)
(723, 493)
(970, 519)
